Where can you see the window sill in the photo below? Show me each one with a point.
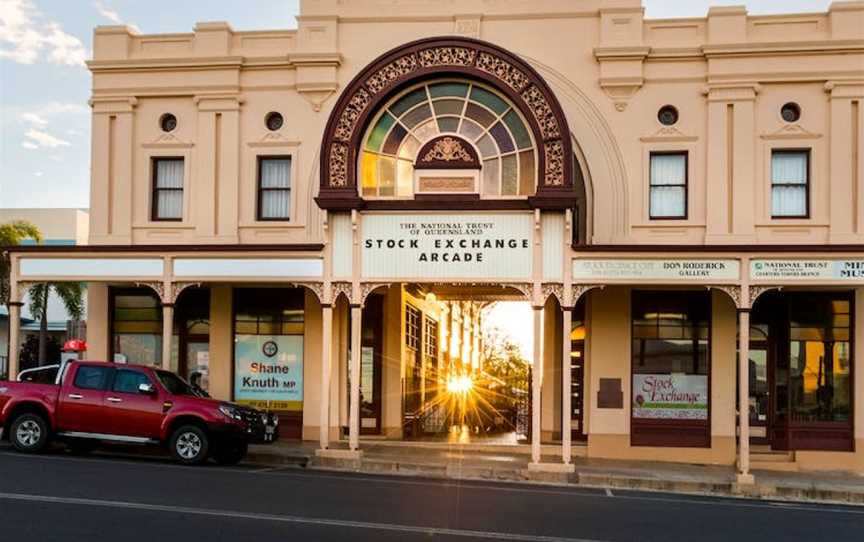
(164, 225)
(272, 224)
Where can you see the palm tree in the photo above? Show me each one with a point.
(71, 294)
(11, 234)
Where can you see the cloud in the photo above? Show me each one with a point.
(107, 12)
(111, 14)
(33, 118)
(26, 36)
(38, 173)
(29, 145)
(41, 138)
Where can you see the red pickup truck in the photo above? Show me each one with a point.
(93, 402)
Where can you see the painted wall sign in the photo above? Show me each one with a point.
(448, 246)
(656, 269)
(670, 396)
(269, 371)
(843, 270)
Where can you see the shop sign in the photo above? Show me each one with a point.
(268, 371)
(431, 246)
(670, 396)
(842, 270)
(656, 269)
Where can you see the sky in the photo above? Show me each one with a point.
(44, 84)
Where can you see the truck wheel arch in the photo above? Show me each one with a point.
(178, 421)
(26, 407)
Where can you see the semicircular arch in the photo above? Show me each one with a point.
(434, 57)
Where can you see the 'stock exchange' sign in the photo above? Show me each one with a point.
(447, 246)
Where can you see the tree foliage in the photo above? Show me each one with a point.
(12, 234)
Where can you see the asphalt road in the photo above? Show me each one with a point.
(114, 497)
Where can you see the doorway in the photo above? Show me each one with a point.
(801, 371)
(192, 328)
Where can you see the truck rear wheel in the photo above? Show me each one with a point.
(189, 445)
(29, 433)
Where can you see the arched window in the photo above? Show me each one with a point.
(474, 112)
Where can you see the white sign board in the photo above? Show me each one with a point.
(248, 267)
(433, 246)
(670, 396)
(842, 270)
(656, 269)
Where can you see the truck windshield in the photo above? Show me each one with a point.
(175, 385)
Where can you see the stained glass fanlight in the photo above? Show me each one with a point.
(474, 112)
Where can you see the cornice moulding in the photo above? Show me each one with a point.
(622, 53)
(780, 48)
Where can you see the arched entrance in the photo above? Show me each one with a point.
(472, 62)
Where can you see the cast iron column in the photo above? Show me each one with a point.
(537, 384)
(354, 414)
(566, 392)
(744, 476)
(167, 334)
(326, 364)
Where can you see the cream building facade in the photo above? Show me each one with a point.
(650, 186)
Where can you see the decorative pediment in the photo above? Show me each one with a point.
(168, 141)
(275, 139)
(668, 134)
(790, 131)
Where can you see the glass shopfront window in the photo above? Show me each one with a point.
(820, 358)
(671, 368)
(136, 326)
(268, 347)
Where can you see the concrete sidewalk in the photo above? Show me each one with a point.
(498, 463)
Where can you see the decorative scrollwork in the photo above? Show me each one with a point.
(316, 287)
(391, 72)
(732, 291)
(341, 288)
(542, 111)
(177, 288)
(446, 56)
(158, 287)
(447, 149)
(348, 119)
(368, 287)
(552, 289)
(525, 288)
(503, 70)
(756, 291)
(554, 163)
(581, 289)
(338, 164)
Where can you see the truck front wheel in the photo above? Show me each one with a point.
(29, 433)
(189, 445)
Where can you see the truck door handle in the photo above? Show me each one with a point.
(114, 399)
(75, 396)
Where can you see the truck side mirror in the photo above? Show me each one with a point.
(147, 389)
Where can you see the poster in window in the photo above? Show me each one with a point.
(269, 371)
(670, 396)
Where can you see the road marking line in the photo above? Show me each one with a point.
(609, 492)
(323, 522)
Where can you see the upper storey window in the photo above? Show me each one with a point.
(167, 189)
(474, 114)
(790, 179)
